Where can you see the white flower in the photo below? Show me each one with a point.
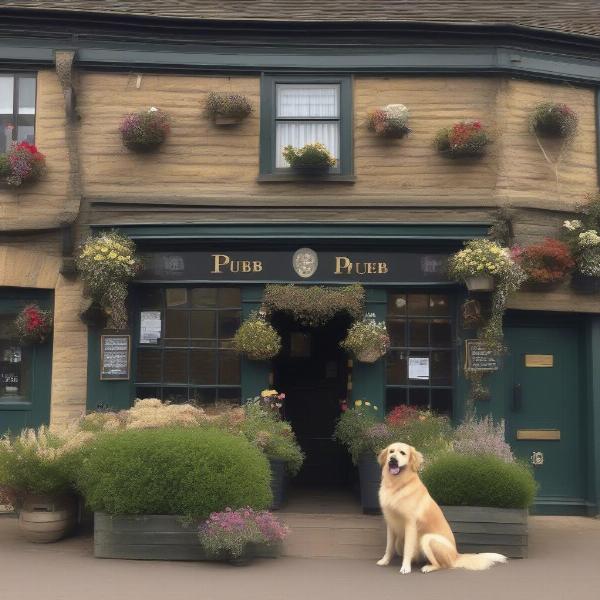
(572, 225)
(153, 109)
(589, 238)
(396, 111)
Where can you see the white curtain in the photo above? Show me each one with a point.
(306, 102)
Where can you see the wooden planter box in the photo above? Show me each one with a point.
(155, 537)
(483, 529)
(279, 483)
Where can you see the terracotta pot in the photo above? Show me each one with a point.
(45, 519)
(368, 356)
(480, 283)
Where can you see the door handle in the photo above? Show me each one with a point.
(517, 398)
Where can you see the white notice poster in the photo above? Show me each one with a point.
(418, 367)
(150, 326)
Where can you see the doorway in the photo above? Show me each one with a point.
(312, 370)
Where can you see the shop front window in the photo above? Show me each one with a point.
(184, 350)
(420, 362)
(15, 364)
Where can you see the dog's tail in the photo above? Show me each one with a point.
(478, 562)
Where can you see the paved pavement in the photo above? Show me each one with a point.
(564, 564)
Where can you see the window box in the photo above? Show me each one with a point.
(300, 110)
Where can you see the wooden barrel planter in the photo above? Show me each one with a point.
(157, 537)
(279, 482)
(484, 529)
(46, 519)
(369, 474)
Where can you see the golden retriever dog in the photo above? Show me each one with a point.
(416, 526)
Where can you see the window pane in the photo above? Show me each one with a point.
(397, 332)
(175, 366)
(298, 134)
(418, 305)
(147, 392)
(419, 397)
(394, 397)
(6, 132)
(25, 133)
(26, 95)
(441, 333)
(176, 297)
(229, 321)
(419, 336)
(229, 368)
(203, 367)
(230, 395)
(176, 327)
(150, 298)
(204, 324)
(416, 379)
(175, 395)
(203, 396)
(6, 95)
(439, 305)
(441, 401)
(396, 367)
(308, 100)
(397, 304)
(148, 366)
(441, 368)
(230, 298)
(204, 297)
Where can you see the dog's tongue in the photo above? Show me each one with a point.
(394, 470)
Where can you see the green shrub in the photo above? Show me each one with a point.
(185, 471)
(360, 430)
(315, 156)
(460, 480)
(5, 169)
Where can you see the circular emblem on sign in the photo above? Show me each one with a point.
(305, 262)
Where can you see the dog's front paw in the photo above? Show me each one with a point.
(383, 562)
(429, 568)
(405, 569)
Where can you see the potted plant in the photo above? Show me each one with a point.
(480, 264)
(147, 502)
(553, 120)
(257, 339)
(107, 262)
(22, 164)
(464, 139)
(33, 325)
(367, 340)
(485, 500)
(227, 109)
(546, 264)
(237, 535)
(145, 131)
(310, 159)
(391, 121)
(35, 473)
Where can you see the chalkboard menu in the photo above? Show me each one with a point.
(479, 357)
(115, 351)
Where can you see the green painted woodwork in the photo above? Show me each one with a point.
(268, 125)
(592, 414)
(550, 398)
(368, 379)
(255, 374)
(33, 410)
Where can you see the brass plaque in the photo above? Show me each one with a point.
(538, 434)
(539, 360)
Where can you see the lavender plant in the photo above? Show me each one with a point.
(482, 436)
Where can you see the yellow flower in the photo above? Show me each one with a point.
(131, 262)
(98, 257)
(104, 249)
(358, 403)
(113, 254)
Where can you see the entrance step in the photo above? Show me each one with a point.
(339, 535)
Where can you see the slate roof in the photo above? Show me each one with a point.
(577, 17)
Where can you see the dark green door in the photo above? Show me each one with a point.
(25, 370)
(544, 412)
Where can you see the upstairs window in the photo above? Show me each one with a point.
(302, 110)
(17, 109)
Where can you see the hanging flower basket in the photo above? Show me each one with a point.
(107, 262)
(390, 121)
(33, 325)
(227, 109)
(257, 339)
(465, 139)
(583, 238)
(367, 340)
(145, 131)
(546, 264)
(311, 159)
(22, 164)
(553, 120)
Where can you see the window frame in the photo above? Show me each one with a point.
(429, 349)
(16, 75)
(268, 126)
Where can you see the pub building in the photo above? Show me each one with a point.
(217, 213)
